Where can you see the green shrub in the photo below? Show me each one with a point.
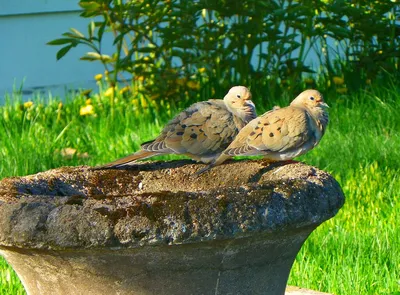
(166, 46)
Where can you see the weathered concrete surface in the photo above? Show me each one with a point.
(155, 229)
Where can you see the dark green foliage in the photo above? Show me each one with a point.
(268, 45)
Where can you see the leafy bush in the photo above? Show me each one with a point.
(166, 47)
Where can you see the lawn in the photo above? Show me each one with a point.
(354, 253)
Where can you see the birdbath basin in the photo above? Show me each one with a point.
(156, 229)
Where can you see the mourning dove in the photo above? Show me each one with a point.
(283, 133)
(201, 131)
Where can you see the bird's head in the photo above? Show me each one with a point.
(310, 99)
(313, 101)
(238, 101)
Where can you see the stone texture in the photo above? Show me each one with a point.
(157, 229)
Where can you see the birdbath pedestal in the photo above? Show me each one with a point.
(156, 229)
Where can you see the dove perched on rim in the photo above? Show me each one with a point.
(201, 131)
(281, 134)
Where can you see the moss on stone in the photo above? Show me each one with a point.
(162, 203)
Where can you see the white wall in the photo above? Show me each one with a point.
(13, 7)
(25, 28)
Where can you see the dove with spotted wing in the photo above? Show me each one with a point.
(281, 134)
(201, 131)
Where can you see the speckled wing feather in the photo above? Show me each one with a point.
(278, 131)
(203, 129)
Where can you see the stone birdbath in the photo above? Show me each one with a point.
(156, 229)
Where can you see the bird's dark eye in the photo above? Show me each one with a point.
(312, 98)
(238, 96)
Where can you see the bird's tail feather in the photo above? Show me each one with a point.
(128, 159)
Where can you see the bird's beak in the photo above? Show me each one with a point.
(250, 103)
(322, 104)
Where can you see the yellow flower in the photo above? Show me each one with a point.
(181, 81)
(139, 78)
(202, 70)
(109, 92)
(338, 80)
(135, 102)
(88, 101)
(28, 104)
(193, 85)
(204, 13)
(98, 77)
(125, 89)
(143, 102)
(342, 90)
(86, 110)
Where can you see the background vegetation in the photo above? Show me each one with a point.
(268, 45)
(172, 53)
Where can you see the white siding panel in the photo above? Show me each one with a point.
(12, 7)
(24, 55)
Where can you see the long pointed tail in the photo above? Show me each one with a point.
(128, 159)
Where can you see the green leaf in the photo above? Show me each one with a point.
(87, 14)
(306, 69)
(91, 6)
(77, 33)
(61, 41)
(100, 32)
(92, 56)
(63, 51)
(91, 28)
(146, 49)
(71, 35)
(88, 58)
(184, 43)
(339, 33)
(279, 12)
(119, 38)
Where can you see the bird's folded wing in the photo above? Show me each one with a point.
(279, 131)
(201, 129)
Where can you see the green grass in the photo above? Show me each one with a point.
(354, 253)
(9, 282)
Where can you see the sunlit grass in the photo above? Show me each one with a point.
(9, 282)
(354, 253)
(357, 251)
